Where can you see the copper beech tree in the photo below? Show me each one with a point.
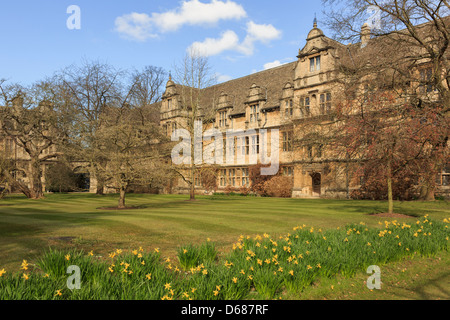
(394, 104)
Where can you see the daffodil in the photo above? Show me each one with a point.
(58, 293)
(149, 276)
(24, 265)
(167, 286)
(2, 272)
(234, 280)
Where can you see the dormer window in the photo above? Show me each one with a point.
(254, 113)
(222, 119)
(314, 64)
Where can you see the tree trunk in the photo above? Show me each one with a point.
(192, 184)
(192, 192)
(429, 195)
(100, 187)
(389, 184)
(427, 190)
(35, 175)
(22, 187)
(122, 193)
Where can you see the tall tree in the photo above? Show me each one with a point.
(416, 77)
(34, 124)
(133, 151)
(192, 76)
(115, 121)
(88, 89)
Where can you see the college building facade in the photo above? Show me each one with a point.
(282, 99)
(279, 107)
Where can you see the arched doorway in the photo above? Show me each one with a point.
(316, 179)
(82, 178)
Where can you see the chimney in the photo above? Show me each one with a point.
(17, 102)
(365, 35)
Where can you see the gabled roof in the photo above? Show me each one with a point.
(269, 83)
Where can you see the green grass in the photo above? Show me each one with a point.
(73, 222)
(169, 221)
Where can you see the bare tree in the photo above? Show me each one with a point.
(88, 89)
(32, 122)
(115, 125)
(193, 75)
(133, 151)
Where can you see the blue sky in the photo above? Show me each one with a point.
(238, 36)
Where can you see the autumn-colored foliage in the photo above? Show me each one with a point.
(279, 186)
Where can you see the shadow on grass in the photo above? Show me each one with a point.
(436, 288)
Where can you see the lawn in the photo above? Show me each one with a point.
(28, 228)
(167, 221)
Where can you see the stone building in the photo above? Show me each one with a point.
(282, 98)
(255, 109)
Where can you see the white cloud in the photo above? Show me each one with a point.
(140, 26)
(135, 26)
(276, 63)
(229, 40)
(194, 12)
(210, 47)
(223, 77)
(258, 33)
(270, 65)
(262, 32)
